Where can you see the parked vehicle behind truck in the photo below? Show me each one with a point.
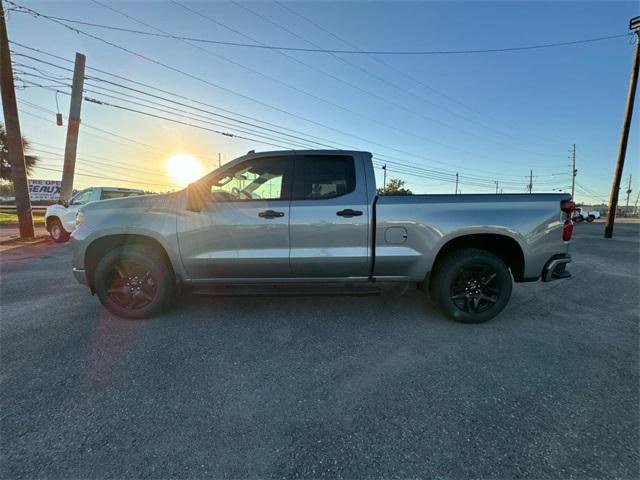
(580, 214)
(60, 218)
(313, 218)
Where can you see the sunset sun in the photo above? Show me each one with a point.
(184, 169)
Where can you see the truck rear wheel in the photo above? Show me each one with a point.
(134, 282)
(591, 218)
(57, 231)
(471, 285)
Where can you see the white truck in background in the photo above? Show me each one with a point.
(580, 214)
(60, 218)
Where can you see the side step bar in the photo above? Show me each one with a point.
(285, 290)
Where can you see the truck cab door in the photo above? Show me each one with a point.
(329, 225)
(242, 228)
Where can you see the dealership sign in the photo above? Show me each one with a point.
(44, 189)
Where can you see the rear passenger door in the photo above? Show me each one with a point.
(329, 218)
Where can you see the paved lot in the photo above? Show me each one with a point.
(340, 387)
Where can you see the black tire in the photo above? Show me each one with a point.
(57, 231)
(577, 219)
(591, 218)
(134, 282)
(471, 285)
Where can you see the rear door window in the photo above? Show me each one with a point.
(324, 176)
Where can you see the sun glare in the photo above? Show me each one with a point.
(184, 169)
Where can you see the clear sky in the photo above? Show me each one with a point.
(489, 117)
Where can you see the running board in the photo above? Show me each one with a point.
(285, 290)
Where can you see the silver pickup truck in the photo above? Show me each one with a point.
(273, 219)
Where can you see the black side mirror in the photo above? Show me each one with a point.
(196, 196)
(64, 203)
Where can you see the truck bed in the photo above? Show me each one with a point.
(411, 230)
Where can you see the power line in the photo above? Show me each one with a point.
(342, 132)
(324, 100)
(21, 9)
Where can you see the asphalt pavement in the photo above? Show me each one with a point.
(313, 387)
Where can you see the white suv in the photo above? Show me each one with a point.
(60, 218)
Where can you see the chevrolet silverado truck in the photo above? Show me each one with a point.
(60, 218)
(312, 219)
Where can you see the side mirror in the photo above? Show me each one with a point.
(196, 196)
(64, 203)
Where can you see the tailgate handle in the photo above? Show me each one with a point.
(270, 214)
(349, 213)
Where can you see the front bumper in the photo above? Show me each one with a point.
(556, 268)
(80, 275)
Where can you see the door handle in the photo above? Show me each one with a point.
(270, 214)
(349, 213)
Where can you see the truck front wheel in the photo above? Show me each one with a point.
(471, 285)
(57, 231)
(134, 282)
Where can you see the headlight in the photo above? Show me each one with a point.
(79, 218)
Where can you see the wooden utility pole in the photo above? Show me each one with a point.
(496, 187)
(574, 172)
(634, 25)
(73, 128)
(530, 186)
(14, 136)
(219, 160)
(456, 190)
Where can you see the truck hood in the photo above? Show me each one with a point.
(158, 202)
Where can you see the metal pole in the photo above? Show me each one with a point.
(624, 138)
(73, 128)
(14, 137)
(573, 173)
(628, 194)
(384, 182)
(456, 190)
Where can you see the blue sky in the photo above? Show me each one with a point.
(487, 116)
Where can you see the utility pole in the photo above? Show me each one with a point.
(628, 194)
(574, 172)
(384, 182)
(456, 190)
(219, 160)
(14, 136)
(496, 187)
(530, 186)
(634, 24)
(73, 128)
(635, 207)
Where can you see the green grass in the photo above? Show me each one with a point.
(12, 219)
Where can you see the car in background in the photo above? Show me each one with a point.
(581, 214)
(60, 218)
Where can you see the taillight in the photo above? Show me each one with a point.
(567, 231)
(567, 206)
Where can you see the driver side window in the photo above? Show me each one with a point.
(256, 179)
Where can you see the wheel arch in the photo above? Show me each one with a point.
(98, 248)
(503, 246)
(50, 219)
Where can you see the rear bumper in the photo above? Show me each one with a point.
(556, 268)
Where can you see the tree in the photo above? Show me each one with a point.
(5, 167)
(395, 186)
